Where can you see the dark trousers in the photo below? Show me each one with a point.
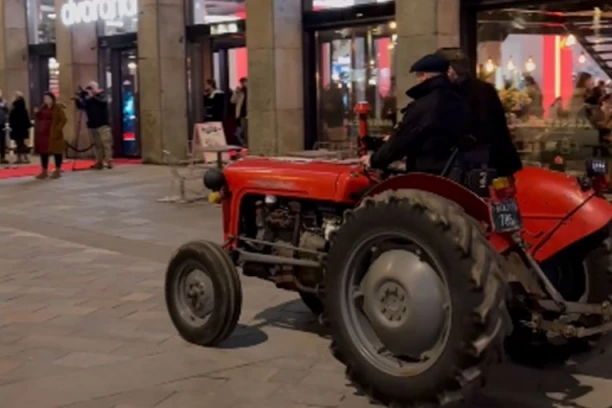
(20, 146)
(44, 160)
(2, 146)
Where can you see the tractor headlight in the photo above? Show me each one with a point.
(214, 180)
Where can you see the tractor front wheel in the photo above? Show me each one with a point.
(415, 299)
(203, 293)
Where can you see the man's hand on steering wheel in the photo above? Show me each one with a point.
(365, 161)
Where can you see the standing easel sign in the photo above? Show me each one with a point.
(207, 135)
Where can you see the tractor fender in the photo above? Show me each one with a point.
(592, 216)
(472, 204)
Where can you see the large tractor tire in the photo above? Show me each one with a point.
(582, 273)
(415, 300)
(203, 293)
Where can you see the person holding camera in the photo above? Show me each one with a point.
(93, 101)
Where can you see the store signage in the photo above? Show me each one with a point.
(224, 28)
(90, 11)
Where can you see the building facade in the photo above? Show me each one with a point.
(307, 62)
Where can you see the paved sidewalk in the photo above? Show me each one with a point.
(83, 321)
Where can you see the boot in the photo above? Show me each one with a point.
(57, 173)
(42, 175)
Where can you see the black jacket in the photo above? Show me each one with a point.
(430, 127)
(96, 108)
(489, 125)
(19, 120)
(4, 111)
(214, 104)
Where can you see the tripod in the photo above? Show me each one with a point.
(75, 148)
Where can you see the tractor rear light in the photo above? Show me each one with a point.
(503, 188)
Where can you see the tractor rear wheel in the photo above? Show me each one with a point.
(203, 293)
(415, 299)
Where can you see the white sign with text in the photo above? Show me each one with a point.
(90, 11)
(209, 134)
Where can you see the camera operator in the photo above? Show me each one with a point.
(93, 101)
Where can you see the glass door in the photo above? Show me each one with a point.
(44, 76)
(355, 64)
(223, 60)
(120, 82)
(129, 103)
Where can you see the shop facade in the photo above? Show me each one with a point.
(307, 61)
(552, 64)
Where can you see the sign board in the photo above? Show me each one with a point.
(223, 28)
(208, 134)
(91, 11)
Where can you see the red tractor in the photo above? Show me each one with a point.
(420, 279)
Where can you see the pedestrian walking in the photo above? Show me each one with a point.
(49, 135)
(240, 99)
(4, 111)
(20, 123)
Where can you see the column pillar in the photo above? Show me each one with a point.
(76, 50)
(422, 28)
(275, 97)
(14, 49)
(163, 85)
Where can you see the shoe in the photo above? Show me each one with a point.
(97, 166)
(57, 173)
(42, 175)
(109, 165)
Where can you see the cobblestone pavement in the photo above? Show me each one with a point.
(83, 321)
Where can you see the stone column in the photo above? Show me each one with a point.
(275, 97)
(14, 49)
(77, 53)
(163, 86)
(422, 28)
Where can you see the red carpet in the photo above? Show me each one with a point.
(31, 170)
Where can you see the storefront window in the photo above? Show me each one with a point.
(355, 64)
(316, 5)
(53, 67)
(552, 68)
(217, 11)
(41, 21)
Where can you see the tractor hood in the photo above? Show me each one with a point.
(296, 177)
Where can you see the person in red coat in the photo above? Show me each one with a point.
(49, 135)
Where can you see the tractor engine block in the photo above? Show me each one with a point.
(283, 226)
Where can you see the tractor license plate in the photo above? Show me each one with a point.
(506, 216)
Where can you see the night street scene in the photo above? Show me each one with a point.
(305, 204)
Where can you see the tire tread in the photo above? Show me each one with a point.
(486, 329)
